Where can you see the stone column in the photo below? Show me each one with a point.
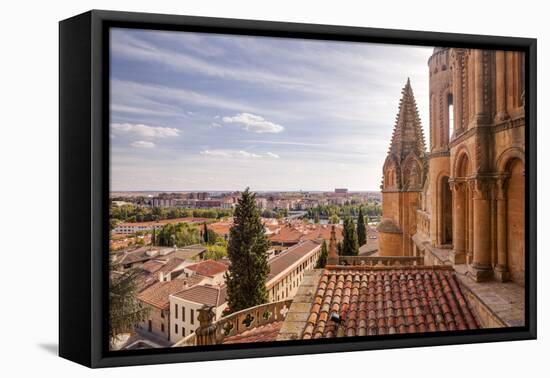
(206, 332)
(501, 270)
(458, 55)
(459, 256)
(501, 85)
(479, 86)
(470, 231)
(512, 81)
(481, 266)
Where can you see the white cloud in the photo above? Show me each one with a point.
(237, 154)
(142, 144)
(254, 123)
(145, 131)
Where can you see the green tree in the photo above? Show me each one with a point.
(361, 229)
(125, 310)
(216, 251)
(317, 217)
(322, 260)
(350, 247)
(247, 251)
(334, 219)
(205, 233)
(180, 234)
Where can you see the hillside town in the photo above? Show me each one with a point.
(174, 281)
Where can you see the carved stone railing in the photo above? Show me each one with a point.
(189, 340)
(381, 260)
(423, 222)
(241, 321)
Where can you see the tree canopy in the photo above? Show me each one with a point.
(322, 260)
(247, 250)
(350, 246)
(361, 229)
(125, 310)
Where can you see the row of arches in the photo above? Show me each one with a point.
(507, 213)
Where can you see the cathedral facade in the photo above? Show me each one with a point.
(461, 200)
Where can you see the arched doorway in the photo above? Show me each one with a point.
(462, 218)
(515, 210)
(446, 212)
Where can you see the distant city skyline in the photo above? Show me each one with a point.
(193, 111)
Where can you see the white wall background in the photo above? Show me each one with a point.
(29, 185)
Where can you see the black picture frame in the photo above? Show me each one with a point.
(84, 186)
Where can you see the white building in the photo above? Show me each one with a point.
(185, 305)
(287, 269)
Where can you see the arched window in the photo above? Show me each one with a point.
(451, 115)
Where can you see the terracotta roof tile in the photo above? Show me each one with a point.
(158, 294)
(264, 333)
(205, 294)
(387, 300)
(208, 268)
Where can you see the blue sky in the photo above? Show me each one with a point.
(193, 111)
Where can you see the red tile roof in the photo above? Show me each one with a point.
(152, 266)
(208, 268)
(387, 300)
(205, 294)
(266, 332)
(158, 294)
(323, 232)
(286, 235)
(170, 265)
(221, 228)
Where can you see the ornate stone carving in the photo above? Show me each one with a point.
(481, 188)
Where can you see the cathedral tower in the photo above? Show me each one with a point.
(404, 176)
(442, 114)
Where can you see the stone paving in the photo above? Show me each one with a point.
(505, 299)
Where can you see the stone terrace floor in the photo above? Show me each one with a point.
(506, 299)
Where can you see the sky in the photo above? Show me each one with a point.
(197, 111)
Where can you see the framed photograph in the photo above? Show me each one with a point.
(234, 188)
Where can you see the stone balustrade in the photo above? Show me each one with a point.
(249, 318)
(423, 222)
(381, 260)
(241, 321)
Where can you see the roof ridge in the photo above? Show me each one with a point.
(393, 267)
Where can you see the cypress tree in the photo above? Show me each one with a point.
(361, 229)
(322, 260)
(205, 234)
(350, 246)
(247, 251)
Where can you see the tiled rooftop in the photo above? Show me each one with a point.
(263, 333)
(208, 268)
(364, 301)
(152, 266)
(158, 294)
(205, 294)
(290, 256)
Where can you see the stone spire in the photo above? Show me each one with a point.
(332, 253)
(407, 134)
